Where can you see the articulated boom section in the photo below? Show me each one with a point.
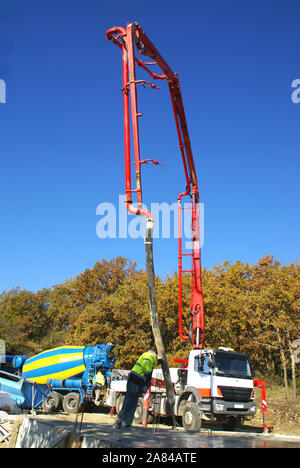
(126, 40)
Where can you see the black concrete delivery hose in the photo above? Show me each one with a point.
(154, 318)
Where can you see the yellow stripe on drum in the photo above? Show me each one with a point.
(58, 375)
(52, 360)
(67, 347)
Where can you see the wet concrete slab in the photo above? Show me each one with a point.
(103, 435)
(139, 437)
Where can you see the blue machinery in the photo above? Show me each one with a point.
(26, 394)
(53, 375)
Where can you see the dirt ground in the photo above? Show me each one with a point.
(283, 418)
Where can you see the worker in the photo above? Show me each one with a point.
(99, 383)
(139, 380)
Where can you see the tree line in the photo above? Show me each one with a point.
(252, 309)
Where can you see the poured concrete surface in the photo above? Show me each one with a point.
(43, 431)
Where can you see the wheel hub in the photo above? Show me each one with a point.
(188, 418)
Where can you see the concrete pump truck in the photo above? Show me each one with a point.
(212, 383)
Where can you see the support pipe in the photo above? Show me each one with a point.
(154, 318)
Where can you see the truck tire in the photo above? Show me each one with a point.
(60, 400)
(51, 403)
(119, 402)
(138, 414)
(191, 418)
(72, 403)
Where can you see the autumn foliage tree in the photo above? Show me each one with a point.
(253, 309)
(23, 319)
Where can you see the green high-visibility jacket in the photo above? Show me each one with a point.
(99, 379)
(145, 364)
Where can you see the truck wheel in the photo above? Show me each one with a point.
(51, 403)
(191, 418)
(72, 403)
(138, 414)
(119, 403)
(60, 400)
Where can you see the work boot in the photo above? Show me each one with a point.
(117, 423)
(125, 427)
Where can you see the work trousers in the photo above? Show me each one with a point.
(135, 388)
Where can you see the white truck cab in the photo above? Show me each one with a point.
(215, 384)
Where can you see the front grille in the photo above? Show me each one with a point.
(236, 393)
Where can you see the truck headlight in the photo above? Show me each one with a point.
(253, 409)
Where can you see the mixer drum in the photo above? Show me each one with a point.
(57, 363)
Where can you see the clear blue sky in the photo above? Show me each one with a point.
(61, 134)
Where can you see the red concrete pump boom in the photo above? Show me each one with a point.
(127, 39)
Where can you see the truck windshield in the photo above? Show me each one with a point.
(231, 367)
(227, 365)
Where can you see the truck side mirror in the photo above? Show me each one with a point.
(211, 363)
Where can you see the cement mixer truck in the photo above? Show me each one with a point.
(68, 371)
